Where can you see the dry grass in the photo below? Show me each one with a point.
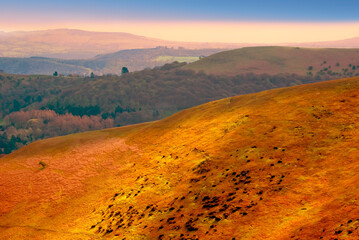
(275, 60)
(279, 164)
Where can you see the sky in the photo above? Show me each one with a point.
(260, 21)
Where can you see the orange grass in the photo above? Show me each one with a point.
(280, 164)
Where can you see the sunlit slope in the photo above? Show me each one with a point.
(274, 60)
(280, 164)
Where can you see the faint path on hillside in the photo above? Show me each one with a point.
(77, 234)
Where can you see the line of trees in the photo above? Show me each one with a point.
(20, 128)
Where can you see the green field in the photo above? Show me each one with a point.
(174, 58)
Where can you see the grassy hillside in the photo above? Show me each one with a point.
(257, 60)
(134, 60)
(37, 107)
(275, 60)
(281, 164)
(139, 59)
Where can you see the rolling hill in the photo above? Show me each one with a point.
(134, 60)
(79, 44)
(345, 43)
(281, 164)
(258, 60)
(34, 107)
(40, 65)
(139, 59)
(275, 60)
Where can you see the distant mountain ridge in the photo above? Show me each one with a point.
(345, 43)
(79, 44)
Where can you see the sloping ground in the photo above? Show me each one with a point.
(134, 60)
(280, 164)
(138, 59)
(79, 44)
(275, 60)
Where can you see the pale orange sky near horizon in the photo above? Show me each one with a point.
(192, 31)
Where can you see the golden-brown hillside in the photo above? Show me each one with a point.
(280, 164)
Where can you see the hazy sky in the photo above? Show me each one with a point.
(192, 20)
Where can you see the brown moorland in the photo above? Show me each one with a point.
(275, 60)
(279, 164)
